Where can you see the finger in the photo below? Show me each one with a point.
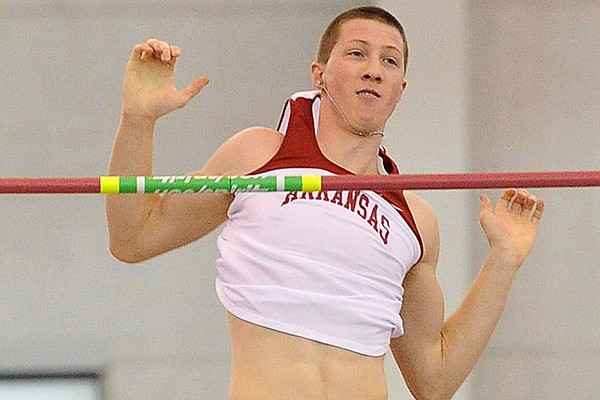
(529, 206)
(162, 50)
(166, 53)
(537, 212)
(486, 204)
(518, 200)
(508, 198)
(140, 51)
(155, 47)
(486, 214)
(175, 52)
(190, 91)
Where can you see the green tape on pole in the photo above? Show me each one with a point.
(186, 184)
(253, 184)
(127, 184)
(293, 183)
(198, 184)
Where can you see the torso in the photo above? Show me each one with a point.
(271, 364)
(268, 364)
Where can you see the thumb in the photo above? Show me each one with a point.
(488, 221)
(485, 208)
(190, 91)
(486, 204)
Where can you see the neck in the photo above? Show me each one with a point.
(355, 153)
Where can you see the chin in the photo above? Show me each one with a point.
(370, 125)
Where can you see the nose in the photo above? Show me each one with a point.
(372, 72)
(368, 77)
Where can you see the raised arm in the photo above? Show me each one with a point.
(436, 355)
(143, 226)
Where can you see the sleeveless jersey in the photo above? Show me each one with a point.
(324, 266)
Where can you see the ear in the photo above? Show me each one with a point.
(316, 73)
(402, 89)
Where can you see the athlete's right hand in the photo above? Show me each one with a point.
(149, 89)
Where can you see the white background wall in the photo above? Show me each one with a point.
(534, 101)
(492, 86)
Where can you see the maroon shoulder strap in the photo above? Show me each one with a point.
(299, 148)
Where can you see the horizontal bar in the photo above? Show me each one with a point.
(490, 180)
(232, 184)
(49, 185)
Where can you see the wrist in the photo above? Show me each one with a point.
(502, 260)
(140, 121)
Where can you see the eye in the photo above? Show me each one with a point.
(356, 53)
(391, 61)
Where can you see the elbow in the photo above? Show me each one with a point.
(126, 254)
(430, 395)
(431, 389)
(432, 392)
(125, 257)
(434, 397)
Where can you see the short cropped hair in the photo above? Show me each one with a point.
(332, 33)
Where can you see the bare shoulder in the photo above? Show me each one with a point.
(244, 152)
(427, 224)
(421, 209)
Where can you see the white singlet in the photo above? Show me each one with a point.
(325, 266)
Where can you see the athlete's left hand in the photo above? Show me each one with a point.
(511, 227)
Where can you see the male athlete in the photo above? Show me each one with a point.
(317, 286)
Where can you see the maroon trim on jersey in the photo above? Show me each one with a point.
(300, 149)
(397, 199)
(389, 164)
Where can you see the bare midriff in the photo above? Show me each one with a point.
(268, 364)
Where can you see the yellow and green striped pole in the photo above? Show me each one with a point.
(208, 184)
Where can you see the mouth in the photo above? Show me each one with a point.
(369, 93)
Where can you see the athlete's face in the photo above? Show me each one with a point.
(365, 72)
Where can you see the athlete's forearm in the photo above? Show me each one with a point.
(133, 146)
(131, 155)
(466, 333)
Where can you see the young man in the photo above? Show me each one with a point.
(318, 285)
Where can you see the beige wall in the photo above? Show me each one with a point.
(535, 105)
